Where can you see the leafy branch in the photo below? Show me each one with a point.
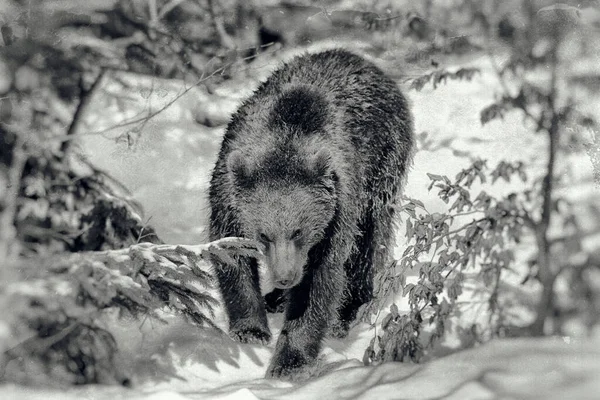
(439, 252)
(442, 76)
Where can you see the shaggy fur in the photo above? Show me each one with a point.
(310, 165)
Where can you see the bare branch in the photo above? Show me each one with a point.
(84, 103)
(144, 119)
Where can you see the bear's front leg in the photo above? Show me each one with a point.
(245, 306)
(311, 306)
(296, 352)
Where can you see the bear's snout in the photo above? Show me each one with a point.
(286, 264)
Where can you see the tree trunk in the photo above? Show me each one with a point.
(547, 271)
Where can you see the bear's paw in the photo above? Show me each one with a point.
(290, 364)
(338, 329)
(253, 335)
(294, 373)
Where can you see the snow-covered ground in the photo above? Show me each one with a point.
(179, 362)
(167, 167)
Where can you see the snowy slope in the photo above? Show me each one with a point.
(167, 168)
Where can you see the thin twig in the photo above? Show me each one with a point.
(463, 214)
(500, 76)
(141, 235)
(219, 27)
(474, 222)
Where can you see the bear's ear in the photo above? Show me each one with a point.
(238, 167)
(321, 164)
(322, 168)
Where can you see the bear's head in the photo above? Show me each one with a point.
(286, 202)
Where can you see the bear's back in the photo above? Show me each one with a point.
(334, 100)
(335, 90)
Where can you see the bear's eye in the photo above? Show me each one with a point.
(296, 235)
(264, 238)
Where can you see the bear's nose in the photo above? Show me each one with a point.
(284, 282)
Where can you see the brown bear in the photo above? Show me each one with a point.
(310, 166)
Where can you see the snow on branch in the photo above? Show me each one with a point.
(57, 301)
